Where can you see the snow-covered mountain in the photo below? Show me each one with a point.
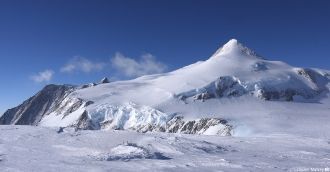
(234, 92)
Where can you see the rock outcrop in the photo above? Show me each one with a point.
(286, 90)
(105, 80)
(31, 111)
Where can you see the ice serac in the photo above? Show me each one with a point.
(144, 119)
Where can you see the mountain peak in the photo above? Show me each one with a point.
(232, 42)
(104, 80)
(233, 47)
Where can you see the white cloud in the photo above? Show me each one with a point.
(82, 64)
(147, 64)
(43, 76)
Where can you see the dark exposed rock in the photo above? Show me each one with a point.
(286, 94)
(175, 124)
(182, 97)
(145, 128)
(327, 75)
(31, 111)
(320, 80)
(204, 96)
(85, 123)
(201, 125)
(88, 103)
(229, 86)
(105, 124)
(51, 99)
(88, 85)
(75, 106)
(309, 74)
(225, 86)
(104, 80)
(188, 127)
(60, 130)
(178, 125)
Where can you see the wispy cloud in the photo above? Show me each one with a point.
(81, 64)
(43, 76)
(123, 65)
(146, 64)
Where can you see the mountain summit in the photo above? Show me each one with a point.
(104, 80)
(234, 47)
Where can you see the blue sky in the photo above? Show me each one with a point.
(71, 41)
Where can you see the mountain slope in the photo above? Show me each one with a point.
(233, 60)
(31, 111)
(202, 98)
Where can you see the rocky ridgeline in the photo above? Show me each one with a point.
(207, 126)
(31, 111)
(230, 86)
(104, 80)
(147, 119)
(51, 99)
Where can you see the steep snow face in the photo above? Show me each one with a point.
(67, 113)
